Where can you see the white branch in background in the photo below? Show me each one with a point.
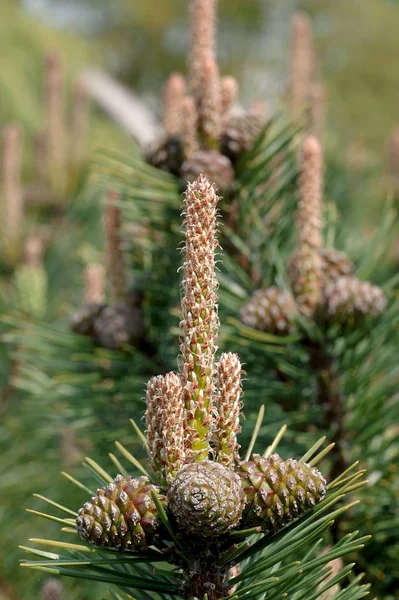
(126, 109)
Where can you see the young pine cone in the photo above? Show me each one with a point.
(118, 325)
(206, 498)
(239, 134)
(166, 154)
(82, 321)
(123, 515)
(214, 166)
(335, 264)
(278, 491)
(270, 310)
(348, 298)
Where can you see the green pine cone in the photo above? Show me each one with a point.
(278, 491)
(123, 515)
(206, 499)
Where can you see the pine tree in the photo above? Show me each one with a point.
(319, 356)
(224, 525)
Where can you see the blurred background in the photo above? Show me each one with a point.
(139, 43)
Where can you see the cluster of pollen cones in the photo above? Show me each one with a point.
(322, 281)
(204, 131)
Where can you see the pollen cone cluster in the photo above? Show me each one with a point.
(270, 310)
(202, 132)
(120, 516)
(278, 491)
(120, 323)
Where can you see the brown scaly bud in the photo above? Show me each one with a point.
(228, 404)
(305, 269)
(190, 118)
(165, 153)
(164, 423)
(317, 105)
(119, 325)
(239, 134)
(200, 322)
(206, 499)
(216, 167)
(203, 41)
(210, 106)
(393, 159)
(348, 299)
(301, 63)
(270, 310)
(229, 93)
(173, 95)
(55, 144)
(52, 589)
(115, 261)
(80, 124)
(11, 188)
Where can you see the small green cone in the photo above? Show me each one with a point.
(123, 515)
(278, 491)
(206, 499)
